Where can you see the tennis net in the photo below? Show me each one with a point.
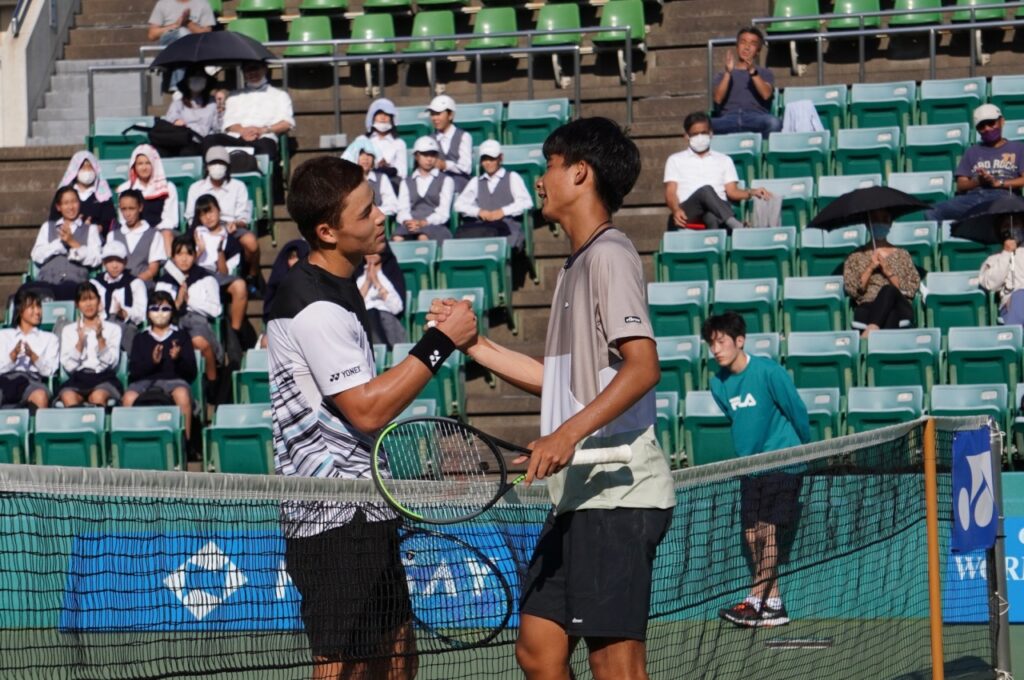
(124, 574)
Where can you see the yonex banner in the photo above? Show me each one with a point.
(974, 507)
(965, 594)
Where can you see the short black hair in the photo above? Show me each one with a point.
(752, 30)
(694, 118)
(67, 188)
(26, 297)
(85, 288)
(132, 193)
(183, 241)
(729, 323)
(318, 192)
(206, 202)
(159, 296)
(606, 148)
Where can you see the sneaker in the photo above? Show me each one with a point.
(743, 614)
(769, 616)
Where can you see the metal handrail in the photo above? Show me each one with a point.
(946, 9)
(19, 16)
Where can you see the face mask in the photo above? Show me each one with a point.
(382, 127)
(197, 84)
(992, 135)
(86, 177)
(217, 171)
(160, 319)
(881, 231)
(700, 143)
(262, 82)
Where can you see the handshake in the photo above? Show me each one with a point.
(456, 319)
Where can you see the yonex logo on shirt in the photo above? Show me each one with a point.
(347, 373)
(736, 403)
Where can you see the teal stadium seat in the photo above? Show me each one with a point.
(954, 299)
(797, 198)
(970, 400)
(528, 160)
(961, 254)
(707, 432)
(870, 408)
(482, 120)
(380, 357)
(55, 311)
(679, 357)
(1008, 95)
(920, 239)
(419, 408)
(829, 101)
(666, 427)
(14, 428)
(75, 437)
(950, 101)
(813, 303)
(471, 262)
(744, 148)
(984, 355)
(411, 123)
(763, 253)
(115, 171)
(930, 187)
(240, 440)
(767, 345)
(146, 438)
(418, 262)
(531, 121)
(756, 300)
(822, 252)
(824, 359)
(883, 104)
(906, 356)
(868, 151)
(831, 187)
(691, 255)
(824, 411)
(932, 148)
(251, 382)
(798, 154)
(447, 387)
(108, 139)
(678, 307)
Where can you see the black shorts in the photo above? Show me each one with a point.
(772, 498)
(591, 571)
(355, 599)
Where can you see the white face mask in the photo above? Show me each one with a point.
(700, 143)
(258, 84)
(382, 127)
(197, 84)
(160, 319)
(86, 177)
(217, 171)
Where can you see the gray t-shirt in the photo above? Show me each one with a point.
(600, 298)
(742, 95)
(169, 11)
(1004, 162)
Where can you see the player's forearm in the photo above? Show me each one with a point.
(376, 403)
(515, 368)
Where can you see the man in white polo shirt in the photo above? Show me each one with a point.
(700, 183)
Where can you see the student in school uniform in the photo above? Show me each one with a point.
(66, 248)
(364, 153)
(86, 176)
(456, 145)
(123, 297)
(425, 197)
(90, 350)
(160, 196)
(28, 356)
(143, 244)
(382, 286)
(493, 203)
(393, 154)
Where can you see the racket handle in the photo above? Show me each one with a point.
(610, 454)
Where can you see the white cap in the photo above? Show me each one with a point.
(441, 102)
(426, 145)
(490, 148)
(114, 249)
(986, 112)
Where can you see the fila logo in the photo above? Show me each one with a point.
(736, 403)
(435, 356)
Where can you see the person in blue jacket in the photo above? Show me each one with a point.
(767, 414)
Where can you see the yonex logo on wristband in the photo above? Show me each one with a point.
(435, 356)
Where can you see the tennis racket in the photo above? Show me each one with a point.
(441, 471)
(459, 595)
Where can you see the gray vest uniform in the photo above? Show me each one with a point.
(138, 259)
(59, 268)
(452, 157)
(421, 206)
(501, 197)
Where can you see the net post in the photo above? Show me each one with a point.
(931, 498)
(999, 608)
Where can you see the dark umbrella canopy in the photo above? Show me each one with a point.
(982, 225)
(215, 48)
(853, 207)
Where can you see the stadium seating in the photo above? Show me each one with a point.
(309, 29)
(984, 355)
(253, 27)
(824, 359)
(852, 19)
(380, 357)
(756, 300)
(966, 400)
(419, 408)
(930, 187)
(707, 432)
(240, 440)
(869, 408)
(107, 141)
(528, 161)
(954, 299)
(429, 25)
(493, 20)
(680, 360)
(996, 14)
(831, 187)
(785, 9)
(763, 253)
(417, 260)
(14, 429)
(883, 104)
(813, 303)
(260, 8)
(471, 262)
(950, 101)
(822, 253)
(829, 100)
(146, 438)
(960, 254)
(767, 345)
(678, 307)
(908, 356)
(373, 27)
(323, 6)
(1007, 92)
(931, 148)
(55, 311)
(690, 255)
(412, 122)
(251, 383)
(483, 120)
(447, 387)
(798, 154)
(73, 437)
(555, 17)
(864, 151)
(531, 121)
(824, 411)
(666, 426)
(475, 295)
(920, 239)
(744, 148)
(797, 197)
(918, 18)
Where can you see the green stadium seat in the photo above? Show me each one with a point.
(868, 151)
(831, 187)
(822, 253)
(954, 299)
(418, 261)
(767, 345)
(109, 140)
(251, 384)
(813, 303)
(14, 426)
(920, 239)
(622, 13)
(217, 6)
(906, 356)
(851, 11)
(961, 254)
(824, 411)
(146, 438)
(308, 29)
(978, 14)
(439, 3)
(1017, 427)
(756, 300)
(707, 432)
(793, 10)
(679, 357)
(447, 387)
(691, 255)
(240, 440)
(984, 355)
(677, 308)
(918, 18)
(74, 437)
(253, 27)
(829, 101)
(482, 120)
(950, 101)
(744, 148)
(411, 123)
(798, 154)
(1008, 95)
(824, 359)
(666, 427)
(883, 104)
(428, 25)
(373, 27)
(55, 311)
(530, 122)
(470, 262)
(263, 8)
(763, 253)
(931, 148)
(929, 187)
(493, 20)
(419, 408)
(555, 17)
(323, 6)
(870, 408)
(970, 400)
(797, 198)
(475, 295)
(388, 5)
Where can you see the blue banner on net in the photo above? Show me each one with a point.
(974, 508)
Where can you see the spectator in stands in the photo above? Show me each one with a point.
(90, 350)
(160, 196)
(143, 244)
(493, 204)
(1003, 273)
(291, 254)
(173, 19)
(391, 158)
(990, 167)
(197, 298)
(425, 197)
(256, 116)
(382, 286)
(28, 356)
(456, 157)
(162, 364)
(701, 182)
(364, 152)
(86, 176)
(66, 248)
(744, 90)
(123, 296)
(881, 281)
(195, 110)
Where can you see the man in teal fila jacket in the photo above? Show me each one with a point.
(767, 414)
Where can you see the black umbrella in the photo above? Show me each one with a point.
(983, 224)
(854, 207)
(216, 48)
